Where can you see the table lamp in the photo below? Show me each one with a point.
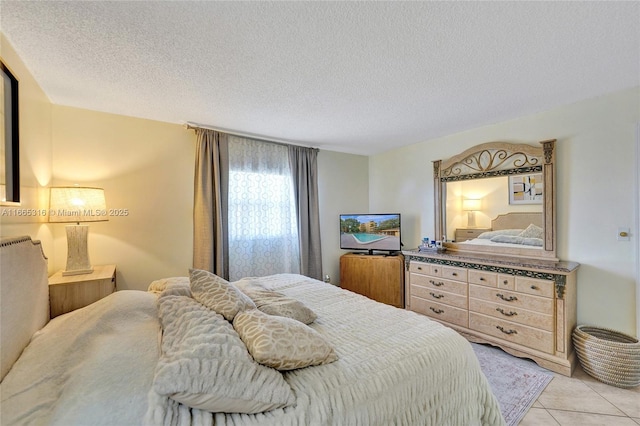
(68, 204)
(471, 206)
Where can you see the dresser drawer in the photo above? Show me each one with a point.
(506, 282)
(451, 272)
(512, 313)
(483, 278)
(544, 288)
(440, 296)
(451, 286)
(512, 332)
(425, 268)
(440, 311)
(542, 305)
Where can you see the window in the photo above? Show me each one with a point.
(263, 231)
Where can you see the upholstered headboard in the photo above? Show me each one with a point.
(24, 296)
(516, 220)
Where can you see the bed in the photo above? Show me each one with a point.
(516, 230)
(110, 363)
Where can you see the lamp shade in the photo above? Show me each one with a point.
(471, 205)
(77, 204)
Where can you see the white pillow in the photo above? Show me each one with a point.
(275, 303)
(218, 294)
(205, 365)
(280, 342)
(490, 234)
(158, 286)
(532, 231)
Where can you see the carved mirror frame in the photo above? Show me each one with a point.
(500, 159)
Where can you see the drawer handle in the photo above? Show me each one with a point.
(419, 268)
(499, 327)
(506, 299)
(435, 270)
(437, 311)
(505, 282)
(437, 284)
(436, 296)
(455, 274)
(481, 278)
(506, 314)
(533, 287)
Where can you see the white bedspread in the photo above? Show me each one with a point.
(96, 366)
(91, 366)
(394, 367)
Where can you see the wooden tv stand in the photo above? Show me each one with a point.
(379, 277)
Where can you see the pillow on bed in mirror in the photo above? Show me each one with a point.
(516, 239)
(490, 234)
(274, 303)
(532, 231)
(205, 365)
(218, 294)
(282, 343)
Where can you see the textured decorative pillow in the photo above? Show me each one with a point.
(158, 286)
(282, 343)
(490, 234)
(516, 239)
(274, 303)
(532, 231)
(218, 294)
(176, 289)
(205, 365)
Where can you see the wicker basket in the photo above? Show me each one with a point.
(609, 356)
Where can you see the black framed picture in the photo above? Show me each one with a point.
(10, 139)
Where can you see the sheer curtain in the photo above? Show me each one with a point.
(263, 228)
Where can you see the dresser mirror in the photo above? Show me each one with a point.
(498, 198)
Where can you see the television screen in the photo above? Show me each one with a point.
(379, 232)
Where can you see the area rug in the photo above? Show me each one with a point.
(515, 382)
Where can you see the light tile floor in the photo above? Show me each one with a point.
(584, 401)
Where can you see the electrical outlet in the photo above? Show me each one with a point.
(327, 278)
(623, 234)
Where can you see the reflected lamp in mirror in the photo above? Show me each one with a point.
(471, 206)
(75, 204)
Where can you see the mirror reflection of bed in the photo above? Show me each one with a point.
(480, 210)
(515, 230)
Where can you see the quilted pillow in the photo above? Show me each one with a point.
(158, 286)
(516, 239)
(282, 343)
(274, 303)
(218, 294)
(532, 231)
(205, 365)
(490, 234)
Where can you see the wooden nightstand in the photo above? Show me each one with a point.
(76, 291)
(464, 234)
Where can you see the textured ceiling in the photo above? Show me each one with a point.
(357, 77)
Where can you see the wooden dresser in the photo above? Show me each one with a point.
(379, 277)
(528, 308)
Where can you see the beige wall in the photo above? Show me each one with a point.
(595, 177)
(145, 168)
(343, 188)
(35, 155)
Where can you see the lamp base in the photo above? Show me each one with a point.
(77, 251)
(471, 219)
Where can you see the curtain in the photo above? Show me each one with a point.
(304, 171)
(210, 242)
(263, 227)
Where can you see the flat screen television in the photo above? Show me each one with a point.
(371, 232)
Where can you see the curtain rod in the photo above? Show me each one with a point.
(192, 126)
